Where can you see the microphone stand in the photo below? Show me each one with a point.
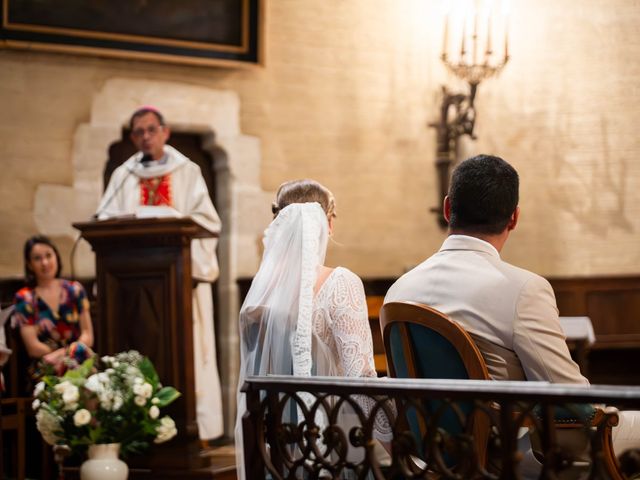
(145, 159)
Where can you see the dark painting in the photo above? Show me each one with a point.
(191, 31)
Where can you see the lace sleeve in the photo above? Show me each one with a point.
(352, 334)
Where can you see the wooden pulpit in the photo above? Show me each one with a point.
(143, 273)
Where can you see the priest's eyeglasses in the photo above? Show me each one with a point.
(152, 130)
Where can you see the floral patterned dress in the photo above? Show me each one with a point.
(56, 329)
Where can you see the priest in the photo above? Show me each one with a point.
(159, 177)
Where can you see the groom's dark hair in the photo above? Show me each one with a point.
(483, 195)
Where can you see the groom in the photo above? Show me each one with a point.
(511, 313)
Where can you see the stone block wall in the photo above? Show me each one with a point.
(345, 96)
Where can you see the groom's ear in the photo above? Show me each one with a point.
(446, 208)
(513, 221)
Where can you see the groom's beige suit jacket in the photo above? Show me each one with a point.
(510, 312)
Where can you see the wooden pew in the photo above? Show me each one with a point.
(374, 303)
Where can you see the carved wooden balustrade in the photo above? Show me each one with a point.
(441, 428)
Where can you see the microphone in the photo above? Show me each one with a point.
(144, 160)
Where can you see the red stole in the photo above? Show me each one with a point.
(156, 191)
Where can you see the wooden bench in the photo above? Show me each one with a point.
(374, 304)
(17, 417)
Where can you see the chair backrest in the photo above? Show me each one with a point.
(421, 342)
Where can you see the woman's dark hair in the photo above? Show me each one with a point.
(29, 276)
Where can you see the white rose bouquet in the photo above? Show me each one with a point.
(108, 400)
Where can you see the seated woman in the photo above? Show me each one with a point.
(51, 313)
(321, 310)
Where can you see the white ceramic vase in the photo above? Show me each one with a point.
(103, 463)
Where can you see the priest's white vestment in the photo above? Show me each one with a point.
(188, 194)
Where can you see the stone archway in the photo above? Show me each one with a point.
(215, 115)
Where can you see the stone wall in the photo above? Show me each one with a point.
(345, 96)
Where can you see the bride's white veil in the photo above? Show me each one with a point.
(276, 316)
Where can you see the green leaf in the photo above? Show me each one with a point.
(146, 367)
(81, 372)
(166, 395)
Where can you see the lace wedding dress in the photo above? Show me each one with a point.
(341, 323)
(287, 329)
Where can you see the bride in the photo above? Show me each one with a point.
(300, 317)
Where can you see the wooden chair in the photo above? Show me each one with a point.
(13, 412)
(16, 415)
(421, 342)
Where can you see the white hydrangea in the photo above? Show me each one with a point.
(70, 394)
(97, 382)
(118, 401)
(81, 417)
(107, 359)
(154, 412)
(166, 430)
(39, 389)
(107, 397)
(140, 401)
(144, 390)
(62, 386)
(48, 424)
(133, 377)
(35, 404)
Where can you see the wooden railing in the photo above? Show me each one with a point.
(289, 434)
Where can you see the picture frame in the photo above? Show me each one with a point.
(196, 32)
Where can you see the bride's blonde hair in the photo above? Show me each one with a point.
(304, 191)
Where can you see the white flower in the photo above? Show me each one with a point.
(39, 389)
(81, 417)
(155, 400)
(70, 397)
(166, 430)
(147, 390)
(94, 383)
(62, 386)
(107, 398)
(154, 412)
(48, 424)
(107, 359)
(143, 390)
(140, 401)
(117, 402)
(168, 422)
(36, 404)
(70, 394)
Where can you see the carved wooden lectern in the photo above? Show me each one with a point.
(143, 273)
